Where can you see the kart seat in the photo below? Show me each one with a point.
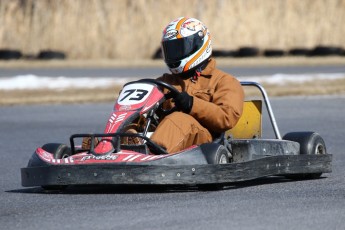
(250, 124)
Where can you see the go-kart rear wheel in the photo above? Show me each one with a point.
(215, 154)
(59, 151)
(310, 143)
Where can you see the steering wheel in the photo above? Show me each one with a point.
(173, 93)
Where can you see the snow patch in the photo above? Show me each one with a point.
(33, 82)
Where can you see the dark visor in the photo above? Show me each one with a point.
(178, 49)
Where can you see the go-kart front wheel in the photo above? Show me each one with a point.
(59, 151)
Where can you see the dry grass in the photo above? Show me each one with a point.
(144, 63)
(318, 87)
(27, 97)
(127, 29)
(22, 97)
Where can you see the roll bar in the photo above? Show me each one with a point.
(267, 103)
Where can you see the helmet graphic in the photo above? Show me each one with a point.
(186, 43)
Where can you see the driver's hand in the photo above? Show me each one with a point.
(184, 102)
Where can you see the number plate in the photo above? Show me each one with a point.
(134, 94)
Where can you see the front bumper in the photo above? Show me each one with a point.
(136, 174)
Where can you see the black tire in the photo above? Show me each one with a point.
(7, 54)
(214, 154)
(59, 151)
(247, 52)
(299, 52)
(310, 143)
(274, 53)
(49, 55)
(326, 51)
(158, 54)
(222, 156)
(223, 53)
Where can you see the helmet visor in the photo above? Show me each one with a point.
(178, 49)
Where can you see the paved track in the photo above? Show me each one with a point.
(269, 203)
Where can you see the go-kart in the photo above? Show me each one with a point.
(113, 158)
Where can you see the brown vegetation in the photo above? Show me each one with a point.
(128, 29)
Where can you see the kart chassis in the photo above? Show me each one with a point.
(252, 158)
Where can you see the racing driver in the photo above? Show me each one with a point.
(210, 100)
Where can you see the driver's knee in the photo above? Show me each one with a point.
(178, 131)
(180, 117)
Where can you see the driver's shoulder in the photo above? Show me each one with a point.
(221, 77)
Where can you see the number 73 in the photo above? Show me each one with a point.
(134, 94)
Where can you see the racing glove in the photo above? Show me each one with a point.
(184, 102)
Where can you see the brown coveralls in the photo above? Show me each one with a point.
(217, 106)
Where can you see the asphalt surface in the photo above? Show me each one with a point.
(268, 203)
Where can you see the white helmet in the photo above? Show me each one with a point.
(186, 44)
